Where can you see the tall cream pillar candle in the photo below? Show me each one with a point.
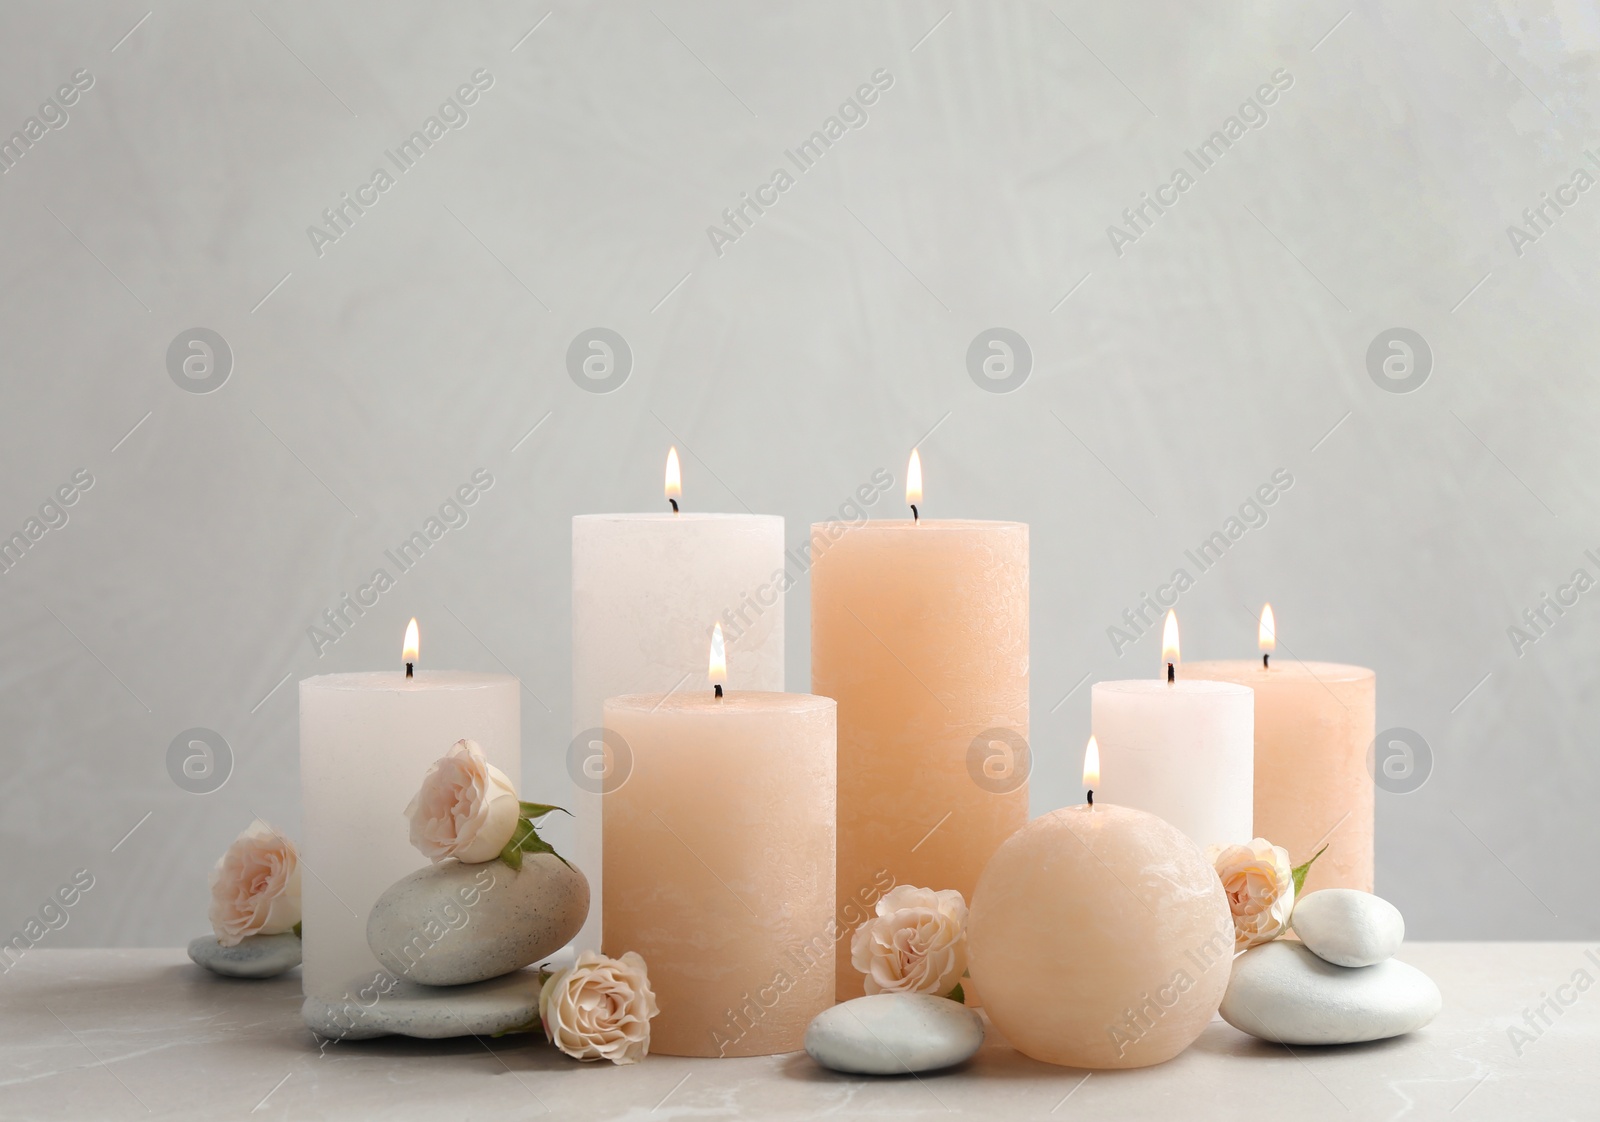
(719, 854)
(1314, 726)
(366, 741)
(1180, 749)
(645, 590)
(919, 629)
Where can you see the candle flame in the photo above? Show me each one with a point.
(1169, 639)
(413, 644)
(914, 480)
(674, 474)
(719, 658)
(1267, 636)
(1091, 765)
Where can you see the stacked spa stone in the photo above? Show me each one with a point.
(1340, 984)
(455, 939)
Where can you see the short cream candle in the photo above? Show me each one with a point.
(719, 856)
(1314, 727)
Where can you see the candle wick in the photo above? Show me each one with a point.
(1172, 674)
(674, 503)
(914, 515)
(718, 687)
(409, 665)
(1264, 656)
(1091, 798)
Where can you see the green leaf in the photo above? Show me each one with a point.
(512, 854)
(297, 932)
(525, 839)
(957, 995)
(1299, 872)
(539, 810)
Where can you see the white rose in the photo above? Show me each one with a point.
(917, 943)
(255, 887)
(1259, 882)
(466, 809)
(600, 1008)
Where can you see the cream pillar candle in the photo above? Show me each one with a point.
(1179, 749)
(919, 629)
(1314, 726)
(645, 588)
(719, 853)
(366, 741)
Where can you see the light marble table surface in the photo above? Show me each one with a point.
(146, 1034)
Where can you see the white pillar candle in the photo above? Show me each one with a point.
(646, 589)
(1183, 750)
(366, 741)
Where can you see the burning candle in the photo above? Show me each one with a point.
(1179, 747)
(1099, 935)
(719, 856)
(1314, 725)
(643, 587)
(919, 629)
(366, 741)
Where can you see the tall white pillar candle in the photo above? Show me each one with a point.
(366, 741)
(646, 589)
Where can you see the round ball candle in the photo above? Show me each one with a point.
(1100, 938)
(644, 587)
(1179, 748)
(1314, 725)
(366, 741)
(719, 856)
(919, 629)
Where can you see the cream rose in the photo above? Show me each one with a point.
(1259, 882)
(917, 943)
(255, 887)
(600, 1008)
(466, 809)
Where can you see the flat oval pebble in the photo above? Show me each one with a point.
(1282, 992)
(451, 924)
(893, 1034)
(393, 1006)
(1348, 927)
(255, 956)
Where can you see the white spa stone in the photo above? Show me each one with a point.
(385, 1005)
(1282, 992)
(451, 924)
(255, 956)
(894, 1033)
(1348, 927)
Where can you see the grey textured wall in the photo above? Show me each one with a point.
(1371, 187)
